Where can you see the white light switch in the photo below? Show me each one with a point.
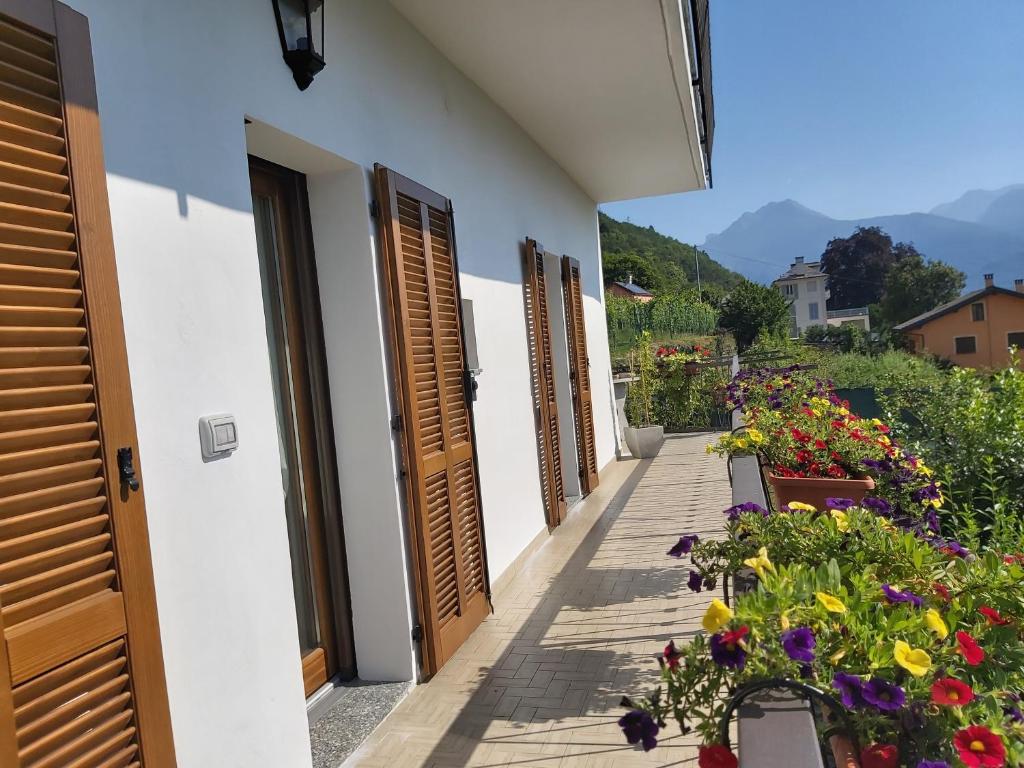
(218, 435)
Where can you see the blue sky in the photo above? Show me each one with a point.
(855, 108)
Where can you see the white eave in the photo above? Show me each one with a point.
(603, 86)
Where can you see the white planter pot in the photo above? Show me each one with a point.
(644, 442)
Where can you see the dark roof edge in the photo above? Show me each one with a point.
(953, 306)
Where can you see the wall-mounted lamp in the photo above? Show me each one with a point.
(300, 24)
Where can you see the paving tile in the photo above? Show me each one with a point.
(539, 682)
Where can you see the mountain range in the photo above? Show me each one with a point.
(981, 231)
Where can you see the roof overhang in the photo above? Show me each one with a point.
(605, 87)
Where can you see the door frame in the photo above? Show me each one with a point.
(319, 466)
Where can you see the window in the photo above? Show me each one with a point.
(789, 290)
(812, 310)
(1015, 339)
(965, 345)
(812, 287)
(977, 311)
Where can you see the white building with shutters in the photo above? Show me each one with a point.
(362, 322)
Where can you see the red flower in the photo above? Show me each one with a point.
(820, 444)
(980, 748)
(883, 429)
(880, 756)
(834, 470)
(941, 591)
(951, 692)
(716, 756)
(804, 456)
(992, 616)
(734, 637)
(973, 653)
(672, 655)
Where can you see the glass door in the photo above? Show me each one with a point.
(308, 476)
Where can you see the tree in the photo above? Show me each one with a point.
(620, 267)
(750, 309)
(913, 286)
(857, 265)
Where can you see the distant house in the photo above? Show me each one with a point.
(975, 330)
(804, 284)
(630, 290)
(857, 316)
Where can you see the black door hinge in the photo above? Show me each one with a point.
(396, 423)
(374, 209)
(417, 633)
(126, 468)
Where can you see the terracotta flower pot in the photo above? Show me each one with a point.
(814, 490)
(842, 751)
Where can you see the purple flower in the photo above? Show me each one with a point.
(929, 492)
(933, 764)
(799, 644)
(841, 504)
(883, 694)
(1014, 714)
(639, 728)
(879, 465)
(950, 547)
(734, 512)
(727, 648)
(880, 506)
(694, 581)
(895, 596)
(851, 690)
(684, 545)
(931, 519)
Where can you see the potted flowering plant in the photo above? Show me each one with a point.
(816, 448)
(643, 437)
(927, 671)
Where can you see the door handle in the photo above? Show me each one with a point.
(126, 468)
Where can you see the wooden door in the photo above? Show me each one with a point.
(81, 669)
(579, 365)
(291, 302)
(436, 417)
(542, 378)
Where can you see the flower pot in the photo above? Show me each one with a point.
(842, 751)
(644, 442)
(814, 490)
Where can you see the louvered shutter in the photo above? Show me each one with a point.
(439, 455)
(81, 671)
(542, 379)
(579, 363)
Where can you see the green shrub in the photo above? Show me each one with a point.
(851, 370)
(968, 426)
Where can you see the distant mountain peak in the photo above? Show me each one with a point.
(982, 231)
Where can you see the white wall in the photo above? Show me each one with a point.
(175, 81)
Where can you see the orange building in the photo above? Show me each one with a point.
(975, 330)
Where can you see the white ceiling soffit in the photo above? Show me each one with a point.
(603, 86)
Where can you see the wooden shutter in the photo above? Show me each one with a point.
(545, 403)
(579, 364)
(436, 417)
(81, 671)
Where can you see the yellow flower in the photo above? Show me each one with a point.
(924, 470)
(761, 563)
(740, 442)
(836, 657)
(709, 449)
(877, 422)
(842, 521)
(799, 505)
(831, 603)
(717, 615)
(755, 436)
(916, 661)
(784, 622)
(935, 623)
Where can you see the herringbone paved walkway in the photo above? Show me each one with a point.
(538, 684)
